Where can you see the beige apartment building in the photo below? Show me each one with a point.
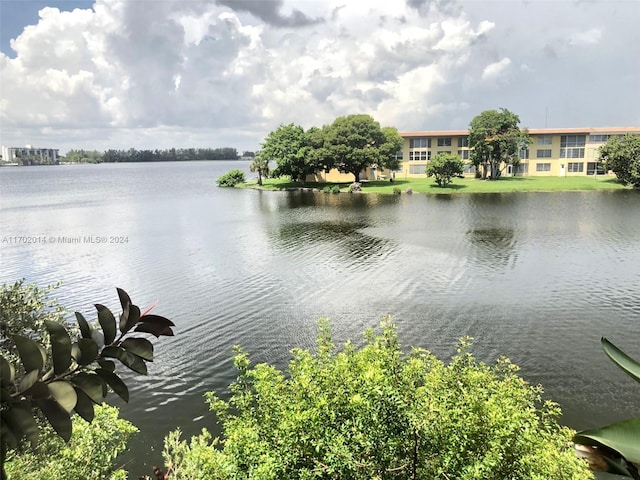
(553, 152)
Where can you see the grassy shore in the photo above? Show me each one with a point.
(462, 185)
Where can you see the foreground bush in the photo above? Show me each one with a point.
(88, 455)
(373, 413)
(231, 178)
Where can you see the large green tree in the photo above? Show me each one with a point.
(260, 165)
(355, 142)
(622, 156)
(444, 167)
(376, 413)
(289, 147)
(496, 140)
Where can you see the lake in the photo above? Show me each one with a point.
(538, 277)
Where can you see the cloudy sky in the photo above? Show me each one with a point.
(213, 73)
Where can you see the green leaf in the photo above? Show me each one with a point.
(32, 355)
(58, 417)
(38, 390)
(63, 393)
(7, 372)
(88, 351)
(84, 406)
(6, 434)
(28, 380)
(623, 437)
(60, 346)
(85, 329)
(124, 298)
(132, 317)
(624, 361)
(107, 322)
(116, 384)
(128, 359)
(139, 346)
(107, 364)
(91, 384)
(21, 422)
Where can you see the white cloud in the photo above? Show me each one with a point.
(585, 38)
(496, 70)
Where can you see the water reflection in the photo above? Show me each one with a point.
(495, 247)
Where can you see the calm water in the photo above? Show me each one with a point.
(538, 277)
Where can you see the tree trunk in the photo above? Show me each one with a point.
(357, 176)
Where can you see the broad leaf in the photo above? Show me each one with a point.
(38, 390)
(107, 364)
(21, 422)
(85, 329)
(124, 298)
(132, 319)
(140, 346)
(28, 380)
(107, 322)
(624, 361)
(155, 325)
(88, 351)
(32, 355)
(60, 346)
(84, 406)
(7, 372)
(57, 416)
(623, 437)
(135, 363)
(6, 434)
(116, 384)
(64, 394)
(92, 385)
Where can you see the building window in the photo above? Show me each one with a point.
(417, 169)
(572, 140)
(572, 152)
(598, 138)
(543, 167)
(463, 141)
(464, 154)
(543, 153)
(419, 156)
(524, 153)
(576, 167)
(423, 142)
(470, 169)
(595, 168)
(444, 141)
(544, 140)
(522, 168)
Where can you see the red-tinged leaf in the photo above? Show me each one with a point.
(60, 347)
(91, 384)
(85, 329)
(84, 406)
(148, 309)
(57, 416)
(107, 322)
(63, 393)
(32, 355)
(116, 384)
(139, 346)
(157, 320)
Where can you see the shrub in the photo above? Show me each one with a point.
(326, 189)
(355, 187)
(231, 178)
(397, 190)
(88, 455)
(335, 189)
(373, 413)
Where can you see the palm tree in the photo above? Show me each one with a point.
(260, 165)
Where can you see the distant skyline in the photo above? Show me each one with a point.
(223, 73)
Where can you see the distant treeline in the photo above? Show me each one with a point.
(171, 155)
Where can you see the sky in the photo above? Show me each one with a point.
(224, 73)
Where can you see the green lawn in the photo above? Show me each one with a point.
(463, 185)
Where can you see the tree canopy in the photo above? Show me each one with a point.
(621, 155)
(495, 139)
(288, 146)
(444, 167)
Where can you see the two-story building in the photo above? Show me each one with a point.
(554, 151)
(30, 156)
